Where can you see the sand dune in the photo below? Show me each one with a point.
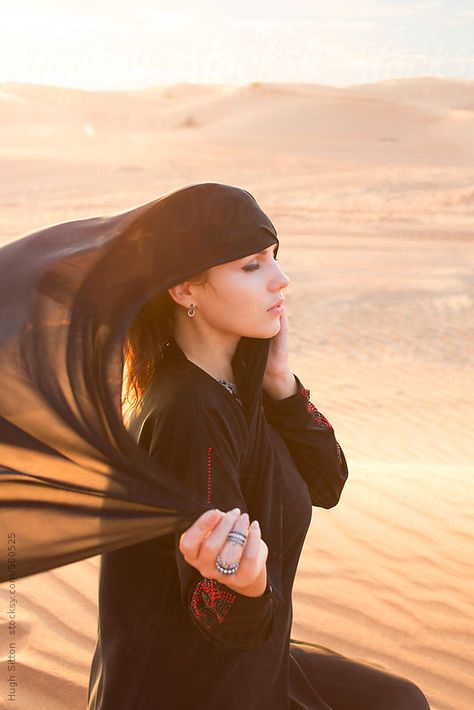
(430, 91)
(390, 121)
(371, 190)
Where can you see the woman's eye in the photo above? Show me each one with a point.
(254, 267)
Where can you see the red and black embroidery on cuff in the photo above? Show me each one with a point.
(317, 416)
(210, 602)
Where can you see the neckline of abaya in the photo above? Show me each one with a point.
(172, 344)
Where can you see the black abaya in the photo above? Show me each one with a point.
(168, 637)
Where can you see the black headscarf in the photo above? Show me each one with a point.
(73, 482)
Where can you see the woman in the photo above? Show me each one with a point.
(202, 618)
(175, 631)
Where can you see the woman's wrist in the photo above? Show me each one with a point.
(256, 589)
(280, 386)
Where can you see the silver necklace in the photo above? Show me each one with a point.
(231, 386)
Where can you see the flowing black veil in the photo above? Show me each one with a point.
(73, 482)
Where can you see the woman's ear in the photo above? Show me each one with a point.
(180, 293)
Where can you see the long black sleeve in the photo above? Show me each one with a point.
(196, 443)
(311, 440)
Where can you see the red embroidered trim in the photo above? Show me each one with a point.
(210, 603)
(209, 474)
(318, 417)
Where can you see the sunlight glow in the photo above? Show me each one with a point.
(109, 45)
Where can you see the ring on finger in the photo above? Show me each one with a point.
(225, 568)
(236, 537)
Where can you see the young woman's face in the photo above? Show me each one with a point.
(239, 294)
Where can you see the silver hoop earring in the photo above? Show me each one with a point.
(191, 310)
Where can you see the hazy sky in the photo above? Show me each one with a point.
(95, 44)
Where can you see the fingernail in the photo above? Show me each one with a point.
(245, 518)
(255, 525)
(235, 511)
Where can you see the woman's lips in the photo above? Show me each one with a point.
(276, 309)
(278, 302)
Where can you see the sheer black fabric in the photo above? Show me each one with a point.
(73, 482)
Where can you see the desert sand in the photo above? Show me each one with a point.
(371, 189)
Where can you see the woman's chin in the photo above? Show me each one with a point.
(273, 330)
(267, 330)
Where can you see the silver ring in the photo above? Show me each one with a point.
(225, 568)
(236, 537)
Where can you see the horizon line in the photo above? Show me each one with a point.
(255, 83)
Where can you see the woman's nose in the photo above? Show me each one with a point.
(284, 280)
(280, 278)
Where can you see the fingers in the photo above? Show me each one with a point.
(254, 554)
(251, 557)
(218, 538)
(201, 543)
(218, 544)
(191, 540)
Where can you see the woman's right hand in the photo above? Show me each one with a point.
(207, 537)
